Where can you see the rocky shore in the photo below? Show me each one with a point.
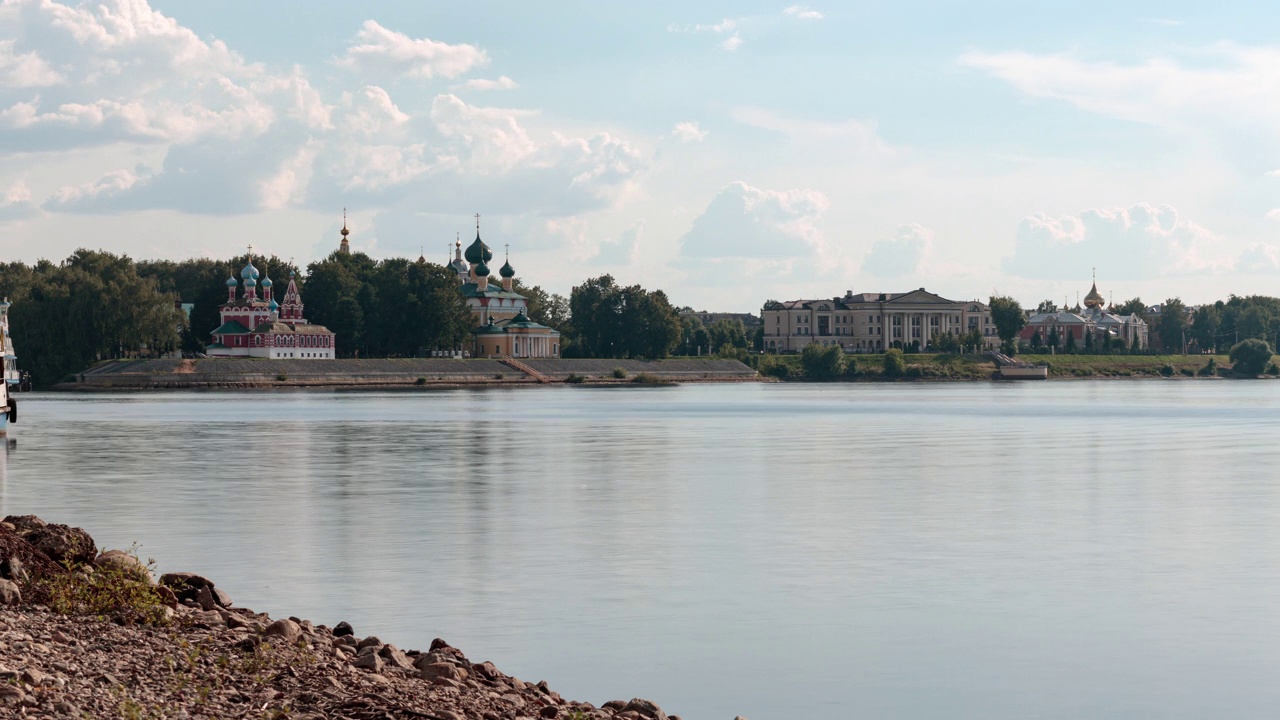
(89, 634)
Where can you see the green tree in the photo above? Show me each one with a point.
(1046, 306)
(1133, 306)
(1088, 342)
(1172, 327)
(728, 332)
(1250, 357)
(894, 363)
(1053, 336)
(1008, 317)
(822, 362)
(1071, 342)
(1204, 327)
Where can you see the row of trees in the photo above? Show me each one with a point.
(97, 305)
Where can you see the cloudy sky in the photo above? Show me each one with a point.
(728, 153)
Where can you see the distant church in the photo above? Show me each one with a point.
(261, 327)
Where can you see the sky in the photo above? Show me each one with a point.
(728, 153)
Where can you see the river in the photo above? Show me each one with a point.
(784, 552)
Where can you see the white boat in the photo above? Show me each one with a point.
(10, 378)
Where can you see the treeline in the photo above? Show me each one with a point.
(96, 306)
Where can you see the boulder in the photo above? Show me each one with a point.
(64, 544)
(437, 671)
(286, 629)
(369, 661)
(372, 640)
(646, 709)
(185, 585)
(12, 569)
(395, 657)
(24, 524)
(343, 629)
(10, 594)
(121, 560)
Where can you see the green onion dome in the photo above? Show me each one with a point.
(507, 271)
(482, 270)
(478, 251)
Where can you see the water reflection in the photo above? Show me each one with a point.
(1057, 550)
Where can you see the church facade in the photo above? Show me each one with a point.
(500, 314)
(1091, 326)
(873, 322)
(261, 327)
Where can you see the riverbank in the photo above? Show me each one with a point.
(89, 634)
(947, 367)
(400, 372)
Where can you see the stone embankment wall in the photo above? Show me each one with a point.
(233, 373)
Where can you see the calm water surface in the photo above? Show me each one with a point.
(1053, 550)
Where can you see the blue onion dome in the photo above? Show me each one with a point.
(266, 282)
(478, 251)
(251, 283)
(482, 270)
(273, 305)
(232, 282)
(249, 271)
(507, 271)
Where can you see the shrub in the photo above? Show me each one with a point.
(122, 593)
(499, 376)
(822, 362)
(894, 364)
(649, 379)
(774, 366)
(914, 371)
(619, 373)
(420, 381)
(1273, 369)
(1188, 372)
(851, 367)
(1250, 357)
(1210, 369)
(575, 379)
(281, 377)
(1167, 371)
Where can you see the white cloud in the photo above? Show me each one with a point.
(858, 135)
(902, 254)
(24, 70)
(379, 50)
(689, 132)
(801, 12)
(1258, 258)
(756, 25)
(747, 222)
(625, 250)
(1223, 82)
(502, 83)
(15, 203)
(1139, 242)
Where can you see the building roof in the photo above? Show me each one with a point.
(850, 300)
(491, 329)
(494, 291)
(231, 327)
(522, 321)
(283, 328)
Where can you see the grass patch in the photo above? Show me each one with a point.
(575, 379)
(650, 379)
(620, 373)
(120, 593)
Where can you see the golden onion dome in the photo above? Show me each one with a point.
(1094, 298)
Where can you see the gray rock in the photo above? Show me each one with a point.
(186, 586)
(369, 661)
(10, 594)
(34, 677)
(24, 524)
(371, 640)
(646, 708)
(395, 657)
(12, 569)
(11, 695)
(436, 671)
(343, 629)
(64, 544)
(285, 629)
(122, 560)
(205, 600)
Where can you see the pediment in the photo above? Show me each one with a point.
(919, 297)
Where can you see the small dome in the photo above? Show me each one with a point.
(507, 271)
(232, 282)
(273, 305)
(266, 282)
(249, 271)
(482, 270)
(478, 251)
(251, 283)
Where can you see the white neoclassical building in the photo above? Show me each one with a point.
(873, 322)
